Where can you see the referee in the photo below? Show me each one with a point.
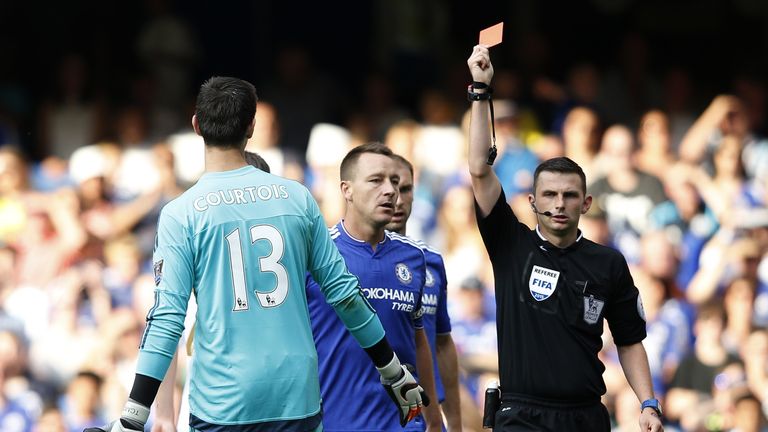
(553, 288)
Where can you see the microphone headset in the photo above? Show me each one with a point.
(535, 210)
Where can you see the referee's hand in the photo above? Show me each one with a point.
(650, 421)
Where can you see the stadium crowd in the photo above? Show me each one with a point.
(680, 188)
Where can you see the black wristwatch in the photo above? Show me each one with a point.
(651, 403)
(472, 96)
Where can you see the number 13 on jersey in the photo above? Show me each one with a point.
(270, 263)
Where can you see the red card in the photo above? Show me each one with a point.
(492, 35)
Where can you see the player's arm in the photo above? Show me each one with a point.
(166, 410)
(447, 357)
(626, 320)
(165, 323)
(424, 366)
(634, 362)
(485, 184)
(448, 363)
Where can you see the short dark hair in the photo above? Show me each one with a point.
(225, 108)
(560, 165)
(403, 161)
(349, 162)
(255, 160)
(95, 378)
(712, 308)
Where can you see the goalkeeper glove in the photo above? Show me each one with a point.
(405, 392)
(134, 418)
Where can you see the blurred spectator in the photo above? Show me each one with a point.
(265, 138)
(690, 398)
(18, 384)
(626, 195)
(439, 150)
(459, 239)
(581, 139)
(78, 304)
(727, 386)
(594, 226)
(474, 332)
(668, 340)
(684, 216)
(122, 259)
(14, 186)
(515, 163)
(727, 192)
(723, 259)
(136, 172)
(726, 116)
(654, 154)
(547, 146)
(747, 414)
(13, 418)
(51, 239)
(739, 301)
(7, 273)
(754, 352)
(80, 404)
(328, 143)
(51, 420)
(102, 217)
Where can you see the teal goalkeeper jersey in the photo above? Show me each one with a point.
(242, 241)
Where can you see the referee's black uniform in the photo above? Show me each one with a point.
(551, 303)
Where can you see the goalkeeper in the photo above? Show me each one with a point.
(256, 364)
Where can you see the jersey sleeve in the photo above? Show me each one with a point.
(173, 267)
(499, 227)
(625, 314)
(418, 310)
(340, 288)
(442, 320)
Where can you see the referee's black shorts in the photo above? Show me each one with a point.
(518, 413)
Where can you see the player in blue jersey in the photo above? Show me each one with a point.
(241, 241)
(437, 324)
(392, 270)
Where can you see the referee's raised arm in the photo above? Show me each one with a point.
(485, 184)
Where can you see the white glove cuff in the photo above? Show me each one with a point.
(135, 411)
(392, 370)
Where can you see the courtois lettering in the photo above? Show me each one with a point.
(246, 195)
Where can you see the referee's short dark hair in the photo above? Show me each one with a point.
(560, 165)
